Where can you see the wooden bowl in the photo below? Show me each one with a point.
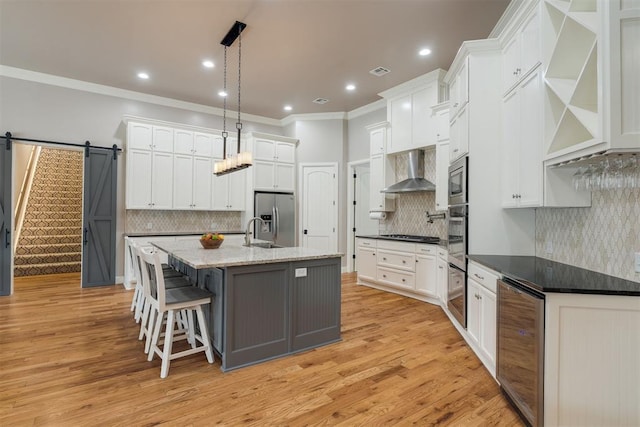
(211, 243)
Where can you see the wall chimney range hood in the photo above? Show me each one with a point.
(415, 181)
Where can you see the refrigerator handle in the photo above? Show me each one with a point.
(277, 220)
(274, 223)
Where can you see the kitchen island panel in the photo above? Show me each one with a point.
(257, 314)
(315, 294)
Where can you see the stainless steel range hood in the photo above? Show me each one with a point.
(415, 181)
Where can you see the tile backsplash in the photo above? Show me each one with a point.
(601, 238)
(138, 221)
(410, 214)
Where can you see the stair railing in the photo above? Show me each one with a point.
(25, 191)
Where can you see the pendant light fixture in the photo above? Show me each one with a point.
(241, 160)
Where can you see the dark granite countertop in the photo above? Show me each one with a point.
(441, 242)
(544, 275)
(176, 233)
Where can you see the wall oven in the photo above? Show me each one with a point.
(458, 245)
(458, 182)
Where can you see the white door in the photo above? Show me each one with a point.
(319, 206)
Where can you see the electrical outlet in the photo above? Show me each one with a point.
(149, 226)
(637, 262)
(548, 247)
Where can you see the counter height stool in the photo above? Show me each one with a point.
(169, 303)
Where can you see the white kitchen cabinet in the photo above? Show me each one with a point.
(481, 313)
(441, 116)
(366, 261)
(522, 144)
(426, 271)
(149, 183)
(192, 182)
(229, 191)
(522, 52)
(193, 143)
(381, 170)
(401, 267)
(459, 135)
(442, 176)
(409, 112)
(442, 274)
(274, 163)
(381, 176)
(459, 90)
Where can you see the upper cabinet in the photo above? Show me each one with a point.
(521, 53)
(441, 117)
(459, 90)
(381, 171)
(591, 52)
(274, 160)
(409, 112)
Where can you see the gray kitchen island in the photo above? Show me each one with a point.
(268, 302)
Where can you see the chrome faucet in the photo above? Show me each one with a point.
(247, 237)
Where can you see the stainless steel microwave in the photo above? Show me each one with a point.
(458, 182)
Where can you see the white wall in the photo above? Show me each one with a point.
(325, 141)
(41, 111)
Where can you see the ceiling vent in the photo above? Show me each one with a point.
(380, 71)
(320, 101)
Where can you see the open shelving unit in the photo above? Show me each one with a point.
(572, 101)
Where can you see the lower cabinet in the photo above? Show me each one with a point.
(401, 267)
(481, 313)
(442, 275)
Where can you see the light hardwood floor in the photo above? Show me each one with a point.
(70, 357)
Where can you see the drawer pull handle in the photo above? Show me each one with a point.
(479, 277)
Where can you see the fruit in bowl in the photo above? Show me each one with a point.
(211, 240)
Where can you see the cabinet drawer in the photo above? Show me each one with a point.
(397, 246)
(484, 276)
(443, 253)
(426, 249)
(403, 261)
(401, 279)
(367, 243)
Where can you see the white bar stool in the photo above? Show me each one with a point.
(169, 302)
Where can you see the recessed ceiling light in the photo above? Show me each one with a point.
(424, 52)
(207, 63)
(222, 93)
(350, 87)
(288, 108)
(143, 75)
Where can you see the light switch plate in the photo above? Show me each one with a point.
(301, 272)
(637, 262)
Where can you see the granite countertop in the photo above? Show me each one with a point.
(544, 275)
(176, 233)
(234, 254)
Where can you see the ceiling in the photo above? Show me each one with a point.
(293, 51)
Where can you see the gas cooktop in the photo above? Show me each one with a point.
(411, 238)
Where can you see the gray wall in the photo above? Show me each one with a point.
(358, 136)
(40, 111)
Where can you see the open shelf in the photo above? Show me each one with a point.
(561, 5)
(583, 6)
(586, 19)
(585, 95)
(553, 20)
(570, 132)
(572, 50)
(554, 109)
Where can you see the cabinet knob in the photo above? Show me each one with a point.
(455, 105)
(518, 70)
(384, 259)
(374, 254)
(403, 280)
(404, 262)
(456, 150)
(384, 275)
(440, 267)
(515, 73)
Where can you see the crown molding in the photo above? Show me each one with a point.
(366, 109)
(280, 138)
(468, 47)
(507, 16)
(52, 80)
(313, 116)
(413, 84)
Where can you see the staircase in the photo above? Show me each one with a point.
(51, 238)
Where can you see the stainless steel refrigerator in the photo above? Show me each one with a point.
(277, 210)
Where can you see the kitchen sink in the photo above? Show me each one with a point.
(265, 245)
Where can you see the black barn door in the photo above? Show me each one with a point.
(99, 218)
(5, 219)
